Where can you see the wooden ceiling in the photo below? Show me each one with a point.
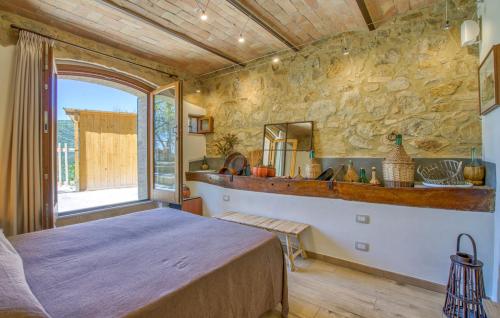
(382, 10)
(171, 31)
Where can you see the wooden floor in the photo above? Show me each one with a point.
(321, 290)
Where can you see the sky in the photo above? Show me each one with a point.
(84, 95)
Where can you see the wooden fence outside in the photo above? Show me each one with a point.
(64, 152)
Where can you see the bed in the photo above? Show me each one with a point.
(156, 263)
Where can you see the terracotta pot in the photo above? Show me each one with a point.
(254, 171)
(262, 172)
(271, 172)
(186, 192)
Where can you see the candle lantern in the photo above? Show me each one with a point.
(465, 289)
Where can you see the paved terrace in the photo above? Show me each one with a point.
(70, 201)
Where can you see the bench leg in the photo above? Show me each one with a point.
(289, 249)
(302, 250)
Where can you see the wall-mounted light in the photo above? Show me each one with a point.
(204, 16)
(276, 59)
(345, 51)
(469, 32)
(198, 91)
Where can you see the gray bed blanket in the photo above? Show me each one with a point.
(157, 263)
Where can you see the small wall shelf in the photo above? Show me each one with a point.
(200, 124)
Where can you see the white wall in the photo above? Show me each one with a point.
(416, 242)
(491, 153)
(195, 146)
(489, 11)
(6, 63)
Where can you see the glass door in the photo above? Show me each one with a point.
(167, 143)
(49, 102)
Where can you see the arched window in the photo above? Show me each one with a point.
(105, 139)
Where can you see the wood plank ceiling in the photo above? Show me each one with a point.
(382, 10)
(171, 31)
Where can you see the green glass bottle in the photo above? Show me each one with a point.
(399, 140)
(473, 158)
(362, 176)
(204, 164)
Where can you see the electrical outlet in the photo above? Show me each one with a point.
(361, 246)
(363, 219)
(226, 197)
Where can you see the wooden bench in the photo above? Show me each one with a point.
(492, 309)
(289, 229)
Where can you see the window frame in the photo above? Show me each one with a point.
(78, 70)
(157, 194)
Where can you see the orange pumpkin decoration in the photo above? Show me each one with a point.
(271, 172)
(262, 172)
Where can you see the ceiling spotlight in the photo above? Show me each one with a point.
(203, 16)
(446, 25)
(241, 39)
(345, 49)
(276, 59)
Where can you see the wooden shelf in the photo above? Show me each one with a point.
(477, 199)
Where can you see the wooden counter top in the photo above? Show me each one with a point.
(477, 199)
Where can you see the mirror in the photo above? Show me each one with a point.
(286, 146)
(301, 133)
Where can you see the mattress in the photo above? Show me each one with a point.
(156, 263)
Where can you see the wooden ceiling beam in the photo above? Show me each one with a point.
(166, 29)
(366, 14)
(264, 24)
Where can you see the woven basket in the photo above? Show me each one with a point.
(398, 169)
(312, 169)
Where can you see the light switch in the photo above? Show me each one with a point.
(363, 219)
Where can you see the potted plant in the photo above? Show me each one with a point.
(225, 144)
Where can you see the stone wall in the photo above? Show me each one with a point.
(409, 76)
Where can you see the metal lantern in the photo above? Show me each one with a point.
(465, 290)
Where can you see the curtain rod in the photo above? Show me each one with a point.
(15, 27)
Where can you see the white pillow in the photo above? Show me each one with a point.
(16, 298)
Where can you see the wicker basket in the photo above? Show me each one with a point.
(312, 169)
(398, 168)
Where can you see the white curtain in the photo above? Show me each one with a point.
(23, 205)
